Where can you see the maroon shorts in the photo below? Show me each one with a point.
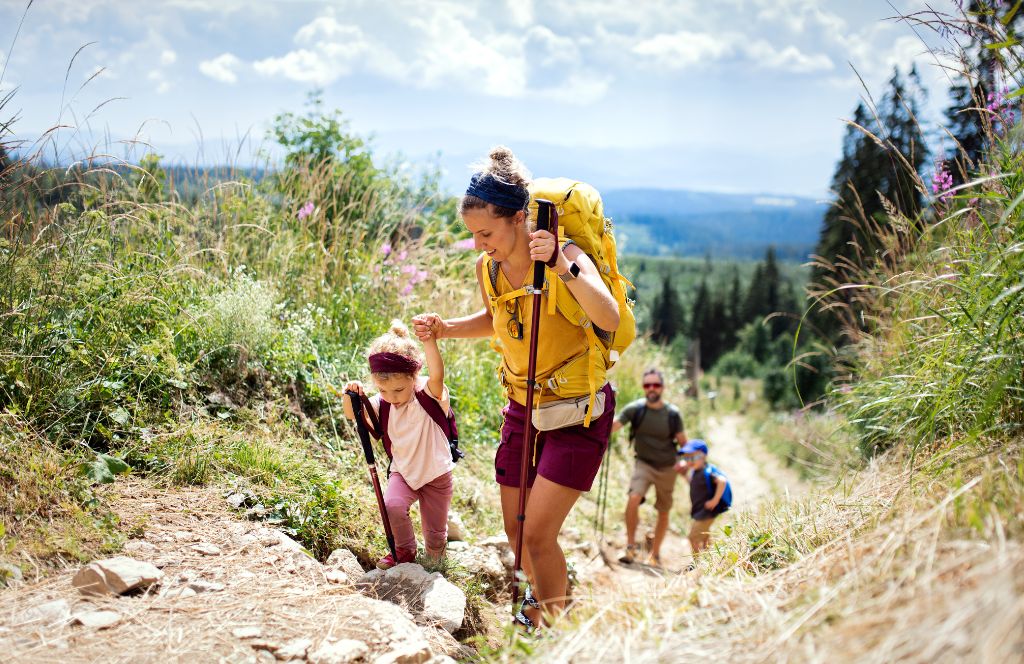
(570, 457)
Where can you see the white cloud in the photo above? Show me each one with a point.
(684, 49)
(168, 57)
(222, 68)
(789, 59)
(773, 201)
(303, 66)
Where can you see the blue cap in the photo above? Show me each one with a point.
(695, 446)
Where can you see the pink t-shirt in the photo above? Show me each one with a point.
(419, 447)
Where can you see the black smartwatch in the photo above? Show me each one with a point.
(571, 273)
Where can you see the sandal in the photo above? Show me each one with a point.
(524, 623)
(630, 555)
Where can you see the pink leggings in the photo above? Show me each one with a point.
(435, 497)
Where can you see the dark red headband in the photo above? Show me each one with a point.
(393, 363)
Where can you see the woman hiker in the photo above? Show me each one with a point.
(566, 460)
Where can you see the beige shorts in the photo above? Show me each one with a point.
(663, 479)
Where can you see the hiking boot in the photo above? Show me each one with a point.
(630, 555)
(404, 556)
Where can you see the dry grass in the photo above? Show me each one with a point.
(872, 571)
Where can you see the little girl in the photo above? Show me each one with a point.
(421, 467)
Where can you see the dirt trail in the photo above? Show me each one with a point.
(755, 474)
(259, 593)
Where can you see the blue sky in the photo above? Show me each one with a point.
(726, 95)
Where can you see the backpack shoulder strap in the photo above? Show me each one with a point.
(385, 412)
(436, 413)
(675, 421)
(638, 418)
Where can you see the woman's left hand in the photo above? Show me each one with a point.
(542, 246)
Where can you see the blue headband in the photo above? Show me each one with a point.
(488, 188)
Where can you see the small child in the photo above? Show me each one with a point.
(710, 493)
(421, 466)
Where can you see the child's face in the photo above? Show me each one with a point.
(694, 461)
(396, 389)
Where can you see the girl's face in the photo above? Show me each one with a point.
(498, 236)
(396, 389)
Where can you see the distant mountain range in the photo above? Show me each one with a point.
(673, 222)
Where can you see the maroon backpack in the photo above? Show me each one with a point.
(379, 429)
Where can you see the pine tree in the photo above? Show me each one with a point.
(666, 313)
(873, 169)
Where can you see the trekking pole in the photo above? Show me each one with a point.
(545, 216)
(371, 466)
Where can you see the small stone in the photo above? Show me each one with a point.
(181, 592)
(206, 549)
(457, 545)
(411, 654)
(346, 561)
(185, 536)
(294, 649)
(250, 632)
(236, 500)
(338, 652)
(97, 619)
(206, 586)
(115, 576)
(456, 528)
(49, 613)
(337, 576)
(140, 548)
(10, 574)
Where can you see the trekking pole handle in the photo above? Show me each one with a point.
(364, 433)
(545, 212)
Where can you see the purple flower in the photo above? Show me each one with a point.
(402, 255)
(407, 289)
(385, 249)
(422, 275)
(942, 183)
(306, 210)
(409, 269)
(469, 244)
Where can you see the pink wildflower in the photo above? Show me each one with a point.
(306, 210)
(402, 255)
(407, 289)
(385, 249)
(469, 244)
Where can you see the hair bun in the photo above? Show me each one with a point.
(399, 329)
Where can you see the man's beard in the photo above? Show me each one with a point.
(653, 397)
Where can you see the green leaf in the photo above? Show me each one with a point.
(104, 468)
(3, 531)
(121, 416)
(116, 465)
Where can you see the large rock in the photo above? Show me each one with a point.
(345, 561)
(115, 576)
(443, 604)
(413, 654)
(501, 546)
(481, 561)
(429, 597)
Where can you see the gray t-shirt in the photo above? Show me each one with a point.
(654, 441)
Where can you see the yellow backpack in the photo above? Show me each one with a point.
(580, 220)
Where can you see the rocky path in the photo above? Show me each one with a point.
(228, 590)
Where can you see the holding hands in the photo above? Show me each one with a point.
(428, 327)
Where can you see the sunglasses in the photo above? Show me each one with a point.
(692, 457)
(651, 386)
(515, 324)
